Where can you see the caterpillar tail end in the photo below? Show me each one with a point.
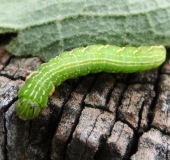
(27, 109)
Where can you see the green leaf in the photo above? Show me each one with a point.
(47, 28)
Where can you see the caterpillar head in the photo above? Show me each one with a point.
(27, 109)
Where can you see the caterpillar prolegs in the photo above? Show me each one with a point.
(33, 95)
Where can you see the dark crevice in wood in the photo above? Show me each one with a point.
(137, 135)
(71, 133)
(58, 120)
(6, 108)
(103, 142)
(162, 131)
(134, 146)
(89, 136)
(140, 117)
(5, 128)
(77, 120)
(119, 103)
(5, 143)
(109, 93)
(154, 101)
(6, 63)
(10, 76)
(52, 130)
(73, 129)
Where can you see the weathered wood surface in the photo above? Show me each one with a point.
(96, 117)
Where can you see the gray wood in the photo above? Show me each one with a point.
(99, 116)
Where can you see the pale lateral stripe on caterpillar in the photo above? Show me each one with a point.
(33, 95)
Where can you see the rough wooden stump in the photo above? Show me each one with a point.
(96, 117)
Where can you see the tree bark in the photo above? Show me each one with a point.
(96, 117)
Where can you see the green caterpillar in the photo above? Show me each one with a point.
(33, 95)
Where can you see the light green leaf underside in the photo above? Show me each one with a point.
(47, 28)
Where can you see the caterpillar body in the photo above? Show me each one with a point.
(33, 95)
